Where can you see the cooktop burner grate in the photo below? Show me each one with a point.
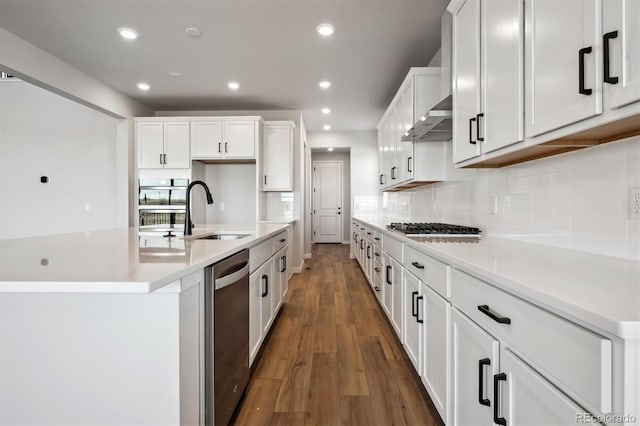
(433, 229)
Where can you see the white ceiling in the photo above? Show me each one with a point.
(269, 46)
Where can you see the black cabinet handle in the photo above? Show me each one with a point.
(418, 309)
(478, 127)
(471, 120)
(376, 254)
(409, 164)
(496, 401)
(226, 147)
(368, 252)
(265, 180)
(381, 180)
(376, 269)
(368, 233)
(605, 42)
(413, 304)
(417, 265)
(220, 147)
(494, 316)
(377, 238)
(160, 158)
(481, 399)
(388, 275)
(283, 240)
(581, 54)
(265, 280)
(361, 244)
(376, 288)
(393, 172)
(285, 263)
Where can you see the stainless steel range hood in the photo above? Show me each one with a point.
(436, 124)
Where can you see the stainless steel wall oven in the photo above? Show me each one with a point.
(162, 205)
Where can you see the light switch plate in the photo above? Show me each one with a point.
(634, 203)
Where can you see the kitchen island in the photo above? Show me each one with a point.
(106, 327)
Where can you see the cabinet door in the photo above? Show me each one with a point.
(279, 278)
(239, 139)
(413, 319)
(387, 283)
(284, 280)
(206, 140)
(501, 122)
(397, 298)
(255, 311)
(466, 80)
(381, 168)
(369, 261)
(405, 156)
(278, 158)
(474, 361)
(622, 16)
(389, 150)
(176, 146)
(558, 31)
(268, 290)
(150, 141)
(395, 130)
(436, 324)
(525, 398)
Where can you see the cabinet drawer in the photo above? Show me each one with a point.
(377, 239)
(430, 271)
(260, 254)
(573, 358)
(392, 247)
(377, 252)
(279, 241)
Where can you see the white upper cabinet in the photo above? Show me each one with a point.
(487, 76)
(163, 145)
(621, 47)
(277, 160)
(224, 138)
(563, 63)
(206, 139)
(240, 139)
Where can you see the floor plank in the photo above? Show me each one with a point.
(332, 358)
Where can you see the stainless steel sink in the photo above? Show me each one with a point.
(221, 237)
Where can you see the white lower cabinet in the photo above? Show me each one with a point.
(435, 351)
(256, 289)
(387, 298)
(526, 398)
(267, 295)
(413, 319)
(474, 362)
(397, 297)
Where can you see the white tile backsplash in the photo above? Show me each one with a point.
(576, 200)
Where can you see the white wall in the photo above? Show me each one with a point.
(38, 67)
(344, 158)
(233, 187)
(42, 133)
(363, 147)
(577, 200)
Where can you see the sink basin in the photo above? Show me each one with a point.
(222, 237)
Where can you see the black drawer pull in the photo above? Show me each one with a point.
(478, 127)
(605, 42)
(376, 269)
(471, 120)
(377, 238)
(283, 240)
(417, 265)
(494, 316)
(481, 399)
(368, 233)
(496, 401)
(381, 180)
(376, 254)
(581, 54)
(387, 278)
(265, 280)
(376, 288)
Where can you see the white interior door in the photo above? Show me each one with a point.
(327, 202)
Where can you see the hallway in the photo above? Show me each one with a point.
(332, 358)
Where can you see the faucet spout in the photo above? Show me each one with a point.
(187, 219)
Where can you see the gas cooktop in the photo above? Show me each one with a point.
(435, 230)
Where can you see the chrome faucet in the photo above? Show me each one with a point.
(187, 217)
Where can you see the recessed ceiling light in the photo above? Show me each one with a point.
(128, 33)
(233, 85)
(324, 84)
(174, 74)
(192, 32)
(326, 127)
(326, 110)
(325, 29)
(143, 86)
(329, 149)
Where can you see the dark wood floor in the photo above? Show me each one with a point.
(332, 358)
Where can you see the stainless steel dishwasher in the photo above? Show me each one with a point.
(226, 336)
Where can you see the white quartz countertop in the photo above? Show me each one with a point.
(593, 290)
(116, 260)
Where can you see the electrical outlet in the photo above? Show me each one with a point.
(221, 206)
(493, 205)
(634, 203)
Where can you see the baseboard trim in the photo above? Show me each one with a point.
(298, 269)
(307, 256)
(352, 256)
(346, 242)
